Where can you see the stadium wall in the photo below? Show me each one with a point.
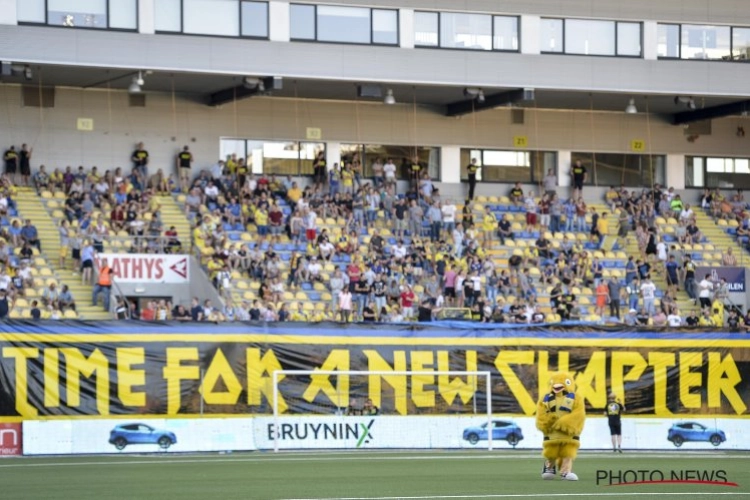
(79, 381)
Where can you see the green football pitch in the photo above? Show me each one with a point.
(375, 475)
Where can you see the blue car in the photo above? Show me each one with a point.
(501, 430)
(123, 435)
(693, 431)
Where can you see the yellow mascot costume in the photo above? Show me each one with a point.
(560, 416)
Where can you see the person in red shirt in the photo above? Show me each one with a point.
(149, 312)
(407, 302)
(354, 273)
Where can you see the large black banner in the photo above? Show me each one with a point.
(65, 374)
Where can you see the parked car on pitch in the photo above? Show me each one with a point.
(501, 430)
(693, 431)
(123, 435)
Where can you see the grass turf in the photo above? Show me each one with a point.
(360, 474)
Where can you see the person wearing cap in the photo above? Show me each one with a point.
(614, 413)
(631, 319)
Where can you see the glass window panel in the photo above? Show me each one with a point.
(741, 166)
(385, 26)
(694, 172)
(281, 158)
(77, 13)
(629, 39)
(466, 156)
(302, 22)
(741, 43)
(211, 17)
(668, 40)
(465, 31)
(255, 19)
(168, 15)
(613, 169)
(229, 147)
(705, 42)
(426, 29)
(506, 33)
(31, 11)
(715, 164)
(551, 31)
(596, 38)
(308, 151)
(343, 24)
(123, 14)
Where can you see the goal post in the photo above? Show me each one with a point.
(417, 409)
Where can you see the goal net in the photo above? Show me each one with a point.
(318, 409)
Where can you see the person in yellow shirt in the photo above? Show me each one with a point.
(261, 222)
(602, 227)
(294, 194)
(347, 179)
(297, 314)
(489, 222)
(706, 320)
(231, 164)
(612, 198)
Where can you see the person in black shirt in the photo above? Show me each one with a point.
(504, 230)
(196, 310)
(5, 305)
(36, 314)
(368, 313)
(24, 162)
(184, 162)
(140, 160)
(734, 321)
(11, 163)
(471, 170)
(578, 172)
(614, 413)
(426, 311)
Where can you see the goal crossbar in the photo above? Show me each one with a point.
(277, 373)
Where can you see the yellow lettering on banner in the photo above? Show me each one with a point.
(51, 378)
(20, 355)
(77, 365)
(502, 363)
(220, 369)
(127, 376)
(449, 387)
(660, 361)
(259, 378)
(338, 359)
(375, 363)
(690, 379)
(723, 378)
(545, 372)
(592, 382)
(175, 373)
(421, 362)
(621, 359)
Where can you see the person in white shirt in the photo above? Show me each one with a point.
(449, 216)
(327, 250)
(314, 269)
(674, 318)
(399, 250)
(687, 213)
(390, 172)
(345, 304)
(648, 292)
(458, 240)
(211, 191)
(705, 287)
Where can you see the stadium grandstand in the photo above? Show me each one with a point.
(516, 163)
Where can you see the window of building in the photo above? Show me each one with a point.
(508, 166)
(426, 29)
(505, 33)
(591, 37)
(713, 172)
(616, 169)
(456, 30)
(705, 42)
(465, 31)
(302, 22)
(273, 157)
(552, 35)
(254, 19)
(168, 16)
(327, 23)
(211, 17)
(402, 156)
(741, 44)
(89, 14)
(668, 40)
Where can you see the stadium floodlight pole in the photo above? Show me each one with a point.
(276, 373)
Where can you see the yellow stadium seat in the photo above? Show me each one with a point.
(722, 222)
(326, 296)
(59, 195)
(242, 284)
(288, 296)
(46, 195)
(504, 199)
(22, 303)
(661, 220)
(708, 246)
(57, 214)
(319, 287)
(52, 204)
(45, 271)
(733, 223)
(70, 314)
(248, 295)
(301, 295)
(308, 306)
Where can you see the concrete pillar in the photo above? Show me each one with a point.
(146, 20)
(278, 18)
(333, 153)
(675, 174)
(406, 28)
(8, 12)
(450, 164)
(529, 28)
(564, 159)
(650, 40)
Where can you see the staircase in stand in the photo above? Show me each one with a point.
(30, 206)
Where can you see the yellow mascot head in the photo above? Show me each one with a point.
(562, 382)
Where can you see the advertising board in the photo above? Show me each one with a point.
(65, 437)
(10, 439)
(148, 268)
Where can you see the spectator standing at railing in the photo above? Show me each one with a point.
(103, 284)
(140, 160)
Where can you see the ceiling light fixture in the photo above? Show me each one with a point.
(389, 99)
(134, 88)
(480, 96)
(630, 108)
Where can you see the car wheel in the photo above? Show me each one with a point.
(715, 440)
(164, 442)
(473, 438)
(513, 440)
(677, 441)
(120, 443)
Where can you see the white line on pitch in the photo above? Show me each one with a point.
(529, 495)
